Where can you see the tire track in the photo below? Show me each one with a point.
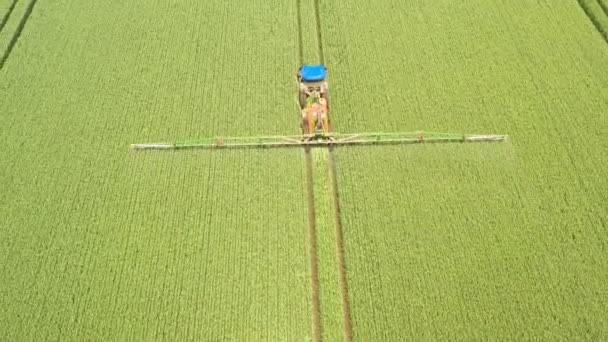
(603, 31)
(310, 198)
(312, 237)
(18, 31)
(318, 27)
(316, 314)
(603, 6)
(7, 15)
(348, 330)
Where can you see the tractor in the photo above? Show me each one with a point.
(314, 102)
(316, 126)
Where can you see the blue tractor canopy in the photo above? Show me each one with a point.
(313, 73)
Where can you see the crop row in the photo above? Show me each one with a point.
(101, 242)
(187, 245)
(498, 241)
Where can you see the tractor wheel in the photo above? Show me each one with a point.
(302, 96)
(304, 126)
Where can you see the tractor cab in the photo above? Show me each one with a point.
(314, 100)
(312, 83)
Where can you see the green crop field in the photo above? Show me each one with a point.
(99, 242)
(495, 241)
(476, 242)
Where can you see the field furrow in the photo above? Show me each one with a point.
(604, 5)
(597, 11)
(6, 9)
(11, 19)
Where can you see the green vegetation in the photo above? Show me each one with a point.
(307, 32)
(159, 70)
(466, 242)
(100, 242)
(503, 241)
(155, 245)
(329, 286)
(11, 15)
(6, 7)
(597, 11)
(464, 246)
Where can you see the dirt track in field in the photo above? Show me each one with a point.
(7, 14)
(18, 31)
(348, 331)
(310, 196)
(312, 238)
(319, 35)
(314, 271)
